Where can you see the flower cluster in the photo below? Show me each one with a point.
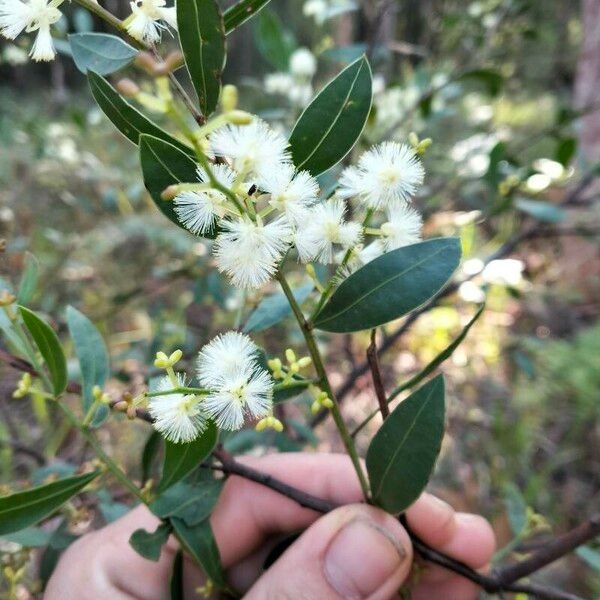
(262, 206)
(234, 386)
(32, 16)
(295, 84)
(148, 19)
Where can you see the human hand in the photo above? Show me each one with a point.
(353, 552)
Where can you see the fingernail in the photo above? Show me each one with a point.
(361, 558)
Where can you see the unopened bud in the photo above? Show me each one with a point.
(170, 192)
(121, 406)
(146, 61)
(239, 117)
(229, 98)
(128, 88)
(174, 60)
(6, 298)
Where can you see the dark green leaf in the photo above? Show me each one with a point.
(273, 309)
(202, 38)
(163, 165)
(101, 53)
(491, 79)
(345, 54)
(127, 119)
(493, 174)
(200, 543)
(274, 42)
(329, 127)
(93, 359)
(151, 448)
(390, 286)
(50, 349)
(176, 585)
(29, 279)
(191, 503)
(566, 150)
(401, 456)
(149, 545)
(239, 13)
(540, 210)
(181, 459)
(23, 509)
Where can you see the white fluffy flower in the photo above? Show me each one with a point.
(278, 83)
(402, 228)
(250, 252)
(316, 9)
(252, 149)
(386, 175)
(291, 191)
(36, 15)
(179, 417)
(322, 227)
(144, 23)
(199, 210)
(228, 367)
(303, 63)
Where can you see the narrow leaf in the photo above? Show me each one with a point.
(29, 279)
(163, 165)
(182, 459)
(149, 544)
(202, 38)
(101, 53)
(390, 286)
(50, 349)
(200, 544)
(242, 11)
(274, 42)
(273, 309)
(93, 359)
(23, 509)
(330, 125)
(401, 456)
(127, 119)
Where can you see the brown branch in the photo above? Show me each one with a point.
(373, 362)
(492, 583)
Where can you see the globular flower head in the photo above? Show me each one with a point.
(323, 227)
(198, 211)
(402, 228)
(228, 367)
(249, 252)
(148, 18)
(291, 191)
(386, 175)
(253, 149)
(179, 417)
(303, 63)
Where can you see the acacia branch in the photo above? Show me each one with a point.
(504, 580)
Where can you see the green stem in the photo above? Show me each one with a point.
(324, 382)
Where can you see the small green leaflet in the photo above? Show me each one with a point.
(330, 125)
(182, 459)
(149, 544)
(101, 53)
(202, 38)
(401, 456)
(390, 286)
(93, 359)
(127, 119)
(23, 509)
(49, 346)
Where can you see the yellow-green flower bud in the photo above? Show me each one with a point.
(229, 98)
(239, 117)
(290, 356)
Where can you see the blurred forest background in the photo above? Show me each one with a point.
(509, 92)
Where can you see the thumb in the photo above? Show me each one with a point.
(355, 552)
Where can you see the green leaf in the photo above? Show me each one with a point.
(163, 165)
(330, 125)
(23, 509)
(149, 545)
(273, 309)
(60, 540)
(565, 150)
(181, 459)
(191, 503)
(151, 448)
(491, 79)
(202, 38)
(101, 53)
(32, 537)
(516, 508)
(401, 456)
(274, 42)
(50, 349)
(390, 286)
(200, 544)
(540, 210)
(590, 556)
(93, 359)
(29, 279)
(127, 119)
(176, 587)
(239, 13)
